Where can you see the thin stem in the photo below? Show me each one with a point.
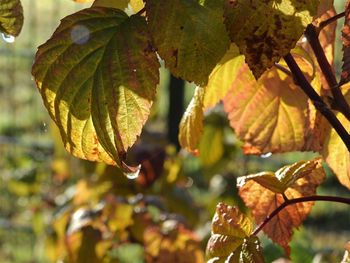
(339, 100)
(141, 11)
(283, 69)
(330, 20)
(336, 199)
(317, 100)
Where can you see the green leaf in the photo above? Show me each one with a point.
(190, 37)
(119, 4)
(222, 76)
(211, 147)
(97, 75)
(265, 31)
(191, 124)
(11, 17)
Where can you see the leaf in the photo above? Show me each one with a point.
(301, 181)
(230, 240)
(100, 97)
(346, 258)
(211, 147)
(191, 124)
(267, 117)
(265, 31)
(179, 246)
(221, 77)
(335, 152)
(345, 75)
(11, 17)
(192, 37)
(118, 4)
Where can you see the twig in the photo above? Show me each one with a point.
(339, 100)
(283, 69)
(317, 100)
(141, 11)
(330, 20)
(336, 199)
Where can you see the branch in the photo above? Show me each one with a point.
(283, 69)
(330, 20)
(317, 100)
(336, 199)
(339, 100)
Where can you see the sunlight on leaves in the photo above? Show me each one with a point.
(299, 180)
(97, 75)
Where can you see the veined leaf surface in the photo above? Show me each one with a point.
(11, 17)
(97, 75)
(265, 31)
(192, 37)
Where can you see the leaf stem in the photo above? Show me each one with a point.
(288, 202)
(317, 100)
(283, 69)
(330, 20)
(340, 103)
(141, 11)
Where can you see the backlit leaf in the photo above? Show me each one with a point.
(221, 77)
(345, 75)
(335, 152)
(119, 4)
(263, 201)
(11, 17)
(211, 147)
(270, 114)
(192, 37)
(230, 240)
(265, 31)
(97, 75)
(191, 124)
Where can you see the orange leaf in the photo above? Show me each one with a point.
(263, 202)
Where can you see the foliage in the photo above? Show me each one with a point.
(98, 76)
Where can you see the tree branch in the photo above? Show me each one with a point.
(336, 199)
(330, 20)
(340, 103)
(317, 100)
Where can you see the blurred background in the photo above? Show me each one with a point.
(55, 208)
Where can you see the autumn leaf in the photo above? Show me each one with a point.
(230, 240)
(192, 38)
(177, 246)
(222, 76)
(119, 4)
(100, 97)
(345, 75)
(268, 115)
(335, 152)
(191, 124)
(299, 180)
(265, 31)
(11, 17)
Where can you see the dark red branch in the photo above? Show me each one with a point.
(330, 20)
(317, 100)
(300, 200)
(340, 103)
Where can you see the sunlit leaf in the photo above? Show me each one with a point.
(345, 75)
(335, 152)
(11, 17)
(211, 147)
(221, 77)
(270, 114)
(263, 201)
(265, 31)
(230, 240)
(191, 125)
(192, 37)
(97, 75)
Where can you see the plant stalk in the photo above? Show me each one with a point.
(340, 103)
(317, 100)
(288, 202)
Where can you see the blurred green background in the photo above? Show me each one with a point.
(38, 179)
